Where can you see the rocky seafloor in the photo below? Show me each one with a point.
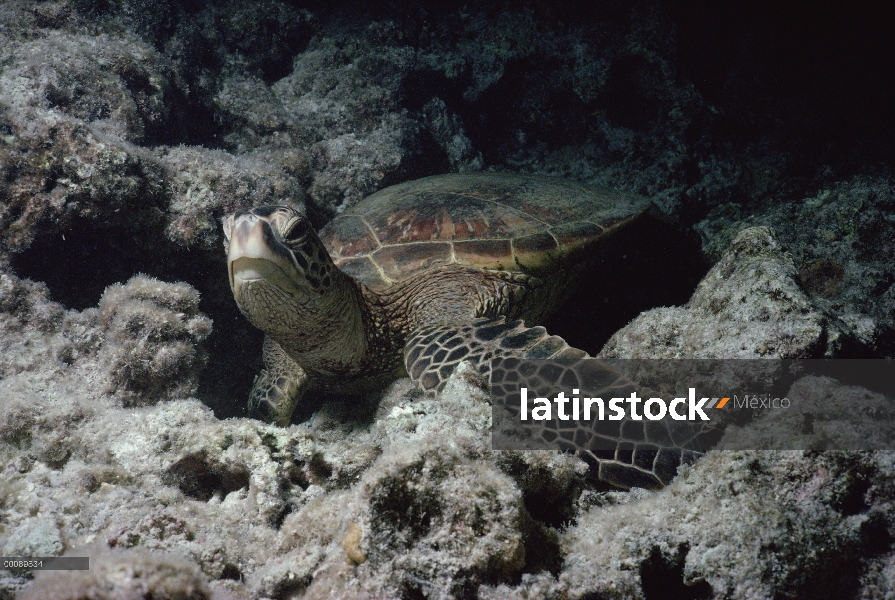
(128, 129)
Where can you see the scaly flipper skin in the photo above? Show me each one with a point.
(624, 453)
(278, 387)
(434, 351)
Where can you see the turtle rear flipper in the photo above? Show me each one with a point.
(433, 352)
(278, 387)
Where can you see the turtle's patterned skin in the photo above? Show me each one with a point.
(643, 453)
(414, 279)
(434, 351)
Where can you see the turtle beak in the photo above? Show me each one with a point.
(255, 254)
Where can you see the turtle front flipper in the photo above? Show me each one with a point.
(644, 454)
(433, 352)
(277, 388)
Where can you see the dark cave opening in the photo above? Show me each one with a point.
(421, 86)
(427, 158)
(663, 578)
(627, 97)
(659, 266)
(193, 122)
(816, 79)
(234, 350)
(78, 264)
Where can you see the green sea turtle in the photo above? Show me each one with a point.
(415, 279)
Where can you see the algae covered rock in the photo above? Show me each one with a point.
(842, 241)
(153, 334)
(72, 106)
(428, 521)
(841, 417)
(741, 524)
(125, 575)
(207, 183)
(435, 512)
(440, 518)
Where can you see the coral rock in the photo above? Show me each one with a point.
(152, 347)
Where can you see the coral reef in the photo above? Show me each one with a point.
(129, 128)
(736, 525)
(152, 340)
(141, 124)
(843, 246)
(384, 499)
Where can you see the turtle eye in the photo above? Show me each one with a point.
(297, 232)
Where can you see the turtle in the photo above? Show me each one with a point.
(415, 279)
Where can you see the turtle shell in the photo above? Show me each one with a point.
(484, 220)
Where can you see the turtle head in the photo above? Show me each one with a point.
(282, 276)
(277, 245)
